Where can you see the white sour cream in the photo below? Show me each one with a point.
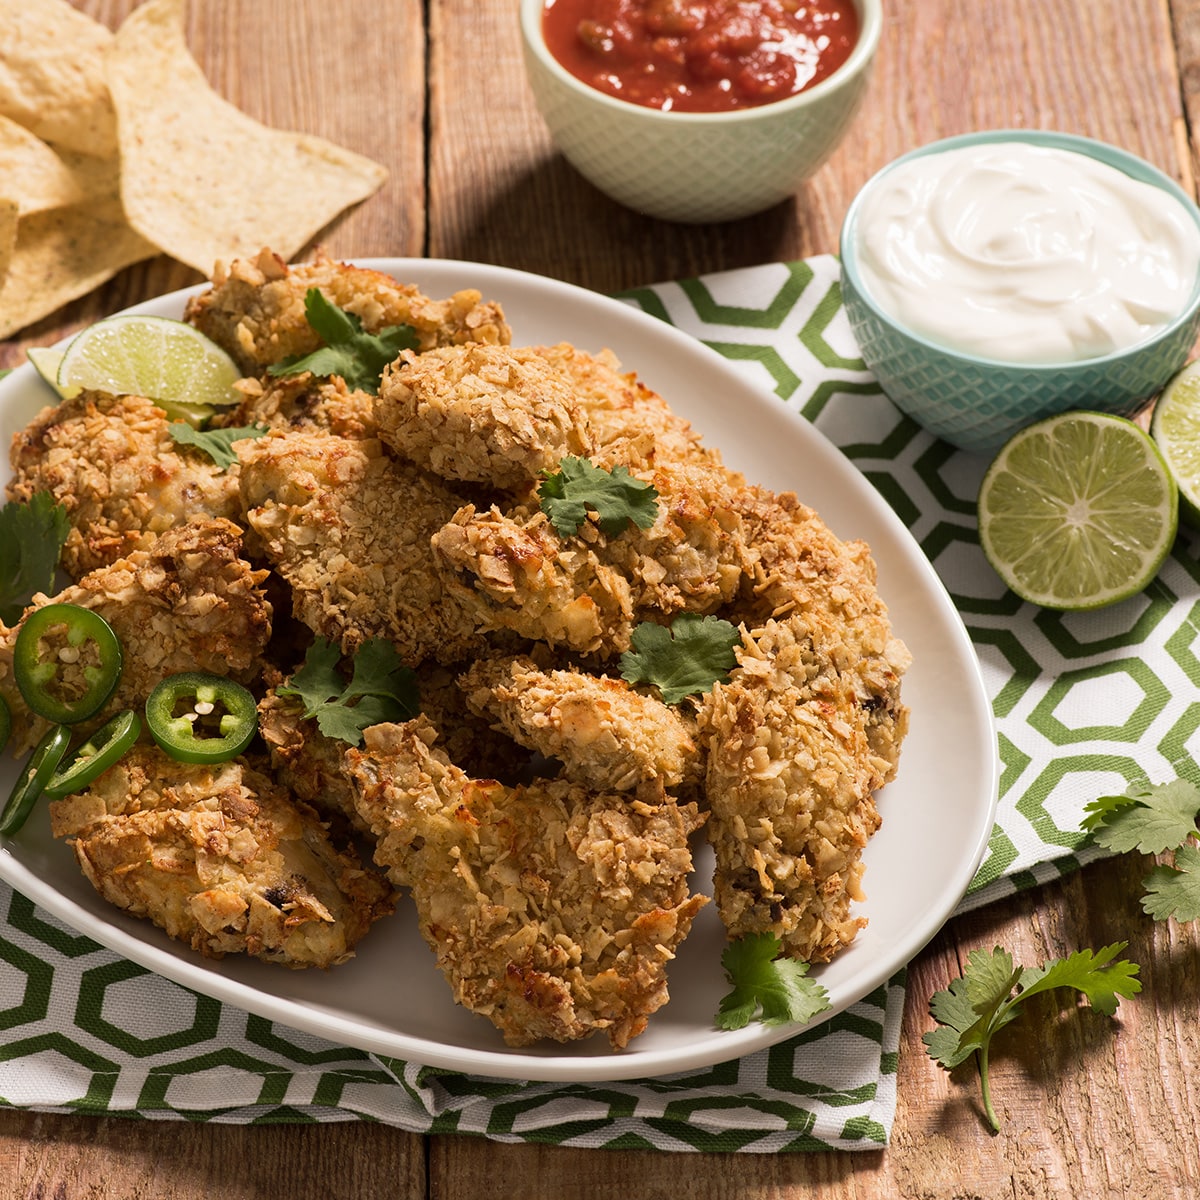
(1025, 253)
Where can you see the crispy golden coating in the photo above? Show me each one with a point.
(587, 592)
(552, 911)
(255, 308)
(790, 782)
(304, 401)
(188, 602)
(113, 466)
(221, 858)
(630, 423)
(803, 568)
(481, 414)
(349, 529)
(607, 736)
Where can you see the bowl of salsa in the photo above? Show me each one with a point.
(699, 110)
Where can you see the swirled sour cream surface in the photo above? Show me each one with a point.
(1025, 253)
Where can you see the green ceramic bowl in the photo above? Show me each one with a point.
(978, 403)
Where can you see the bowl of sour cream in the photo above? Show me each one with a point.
(997, 278)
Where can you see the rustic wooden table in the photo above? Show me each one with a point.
(434, 89)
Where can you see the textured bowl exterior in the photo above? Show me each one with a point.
(696, 167)
(977, 404)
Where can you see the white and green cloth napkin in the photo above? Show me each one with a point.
(1085, 704)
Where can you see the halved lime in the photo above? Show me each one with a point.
(1078, 511)
(164, 360)
(1175, 427)
(46, 360)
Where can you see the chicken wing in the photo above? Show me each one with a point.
(112, 464)
(255, 308)
(790, 782)
(553, 911)
(349, 529)
(304, 401)
(222, 859)
(188, 602)
(480, 414)
(607, 736)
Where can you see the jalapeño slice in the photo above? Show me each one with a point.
(105, 747)
(67, 661)
(35, 774)
(201, 718)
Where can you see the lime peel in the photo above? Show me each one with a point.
(1175, 428)
(1078, 511)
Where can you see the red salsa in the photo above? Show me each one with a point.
(700, 55)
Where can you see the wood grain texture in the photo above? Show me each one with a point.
(1091, 1107)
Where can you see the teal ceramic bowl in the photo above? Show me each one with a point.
(977, 403)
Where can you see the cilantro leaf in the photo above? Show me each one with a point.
(764, 982)
(216, 443)
(689, 657)
(986, 998)
(358, 357)
(1174, 891)
(381, 688)
(616, 496)
(31, 539)
(1150, 819)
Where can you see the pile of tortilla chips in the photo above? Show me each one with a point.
(113, 148)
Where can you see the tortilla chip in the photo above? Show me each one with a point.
(33, 174)
(9, 211)
(64, 253)
(199, 178)
(52, 75)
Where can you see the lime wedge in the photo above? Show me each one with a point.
(45, 361)
(1175, 427)
(155, 357)
(1078, 511)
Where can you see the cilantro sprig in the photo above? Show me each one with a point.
(32, 535)
(683, 660)
(988, 995)
(216, 443)
(616, 497)
(349, 351)
(381, 688)
(1156, 819)
(776, 988)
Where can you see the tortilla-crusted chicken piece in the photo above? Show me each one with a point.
(803, 567)
(480, 414)
(587, 592)
(553, 911)
(607, 736)
(349, 529)
(112, 464)
(187, 602)
(630, 424)
(303, 401)
(221, 858)
(255, 308)
(790, 782)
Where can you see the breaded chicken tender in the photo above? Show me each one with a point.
(480, 414)
(349, 529)
(304, 401)
(112, 464)
(790, 783)
(222, 859)
(607, 736)
(587, 592)
(255, 308)
(188, 602)
(631, 424)
(553, 911)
